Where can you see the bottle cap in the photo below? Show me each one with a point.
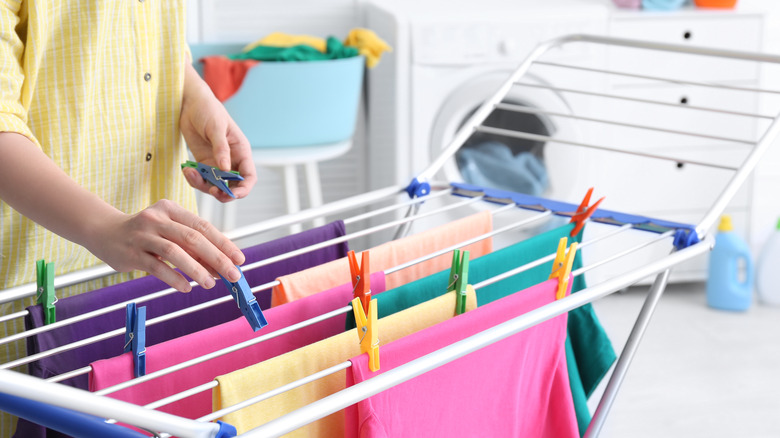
(725, 223)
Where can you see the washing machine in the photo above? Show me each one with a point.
(448, 58)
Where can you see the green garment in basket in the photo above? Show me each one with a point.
(589, 352)
(303, 52)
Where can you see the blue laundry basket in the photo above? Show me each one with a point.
(293, 103)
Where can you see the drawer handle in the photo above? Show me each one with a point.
(687, 35)
(680, 165)
(684, 100)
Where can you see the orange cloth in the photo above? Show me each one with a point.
(224, 76)
(310, 281)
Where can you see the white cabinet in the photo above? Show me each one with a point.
(665, 189)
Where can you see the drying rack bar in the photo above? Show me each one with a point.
(347, 397)
(548, 139)
(640, 100)
(531, 110)
(659, 78)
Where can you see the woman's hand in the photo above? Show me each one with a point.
(167, 232)
(213, 138)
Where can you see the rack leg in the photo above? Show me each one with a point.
(624, 361)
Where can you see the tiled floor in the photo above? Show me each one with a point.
(699, 372)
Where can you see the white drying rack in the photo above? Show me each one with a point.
(689, 242)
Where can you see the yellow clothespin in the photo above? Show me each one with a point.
(562, 266)
(367, 325)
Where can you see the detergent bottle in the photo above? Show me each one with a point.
(768, 265)
(730, 276)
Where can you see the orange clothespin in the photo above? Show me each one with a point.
(583, 212)
(361, 278)
(367, 331)
(562, 266)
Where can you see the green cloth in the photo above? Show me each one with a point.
(303, 52)
(589, 352)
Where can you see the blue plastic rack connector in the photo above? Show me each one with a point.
(417, 188)
(226, 430)
(246, 301)
(684, 238)
(135, 337)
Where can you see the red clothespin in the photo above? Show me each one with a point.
(562, 266)
(367, 331)
(583, 213)
(361, 278)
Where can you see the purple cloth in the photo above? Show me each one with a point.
(164, 331)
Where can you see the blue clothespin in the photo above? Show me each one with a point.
(215, 176)
(135, 337)
(459, 279)
(46, 297)
(246, 301)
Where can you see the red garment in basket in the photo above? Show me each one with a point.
(224, 76)
(517, 387)
(110, 372)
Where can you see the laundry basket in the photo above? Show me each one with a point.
(293, 103)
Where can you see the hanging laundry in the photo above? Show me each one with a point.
(368, 44)
(589, 351)
(271, 374)
(334, 49)
(109, 372)
(517, 387)
(225, 76)
(391, 254)
(79, 304)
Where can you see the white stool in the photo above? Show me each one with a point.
(286, 158)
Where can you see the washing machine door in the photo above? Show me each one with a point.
(537, 168)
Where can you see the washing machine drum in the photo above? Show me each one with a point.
(533, 167)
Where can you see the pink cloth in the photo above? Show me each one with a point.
(110, 372)
(517, 387)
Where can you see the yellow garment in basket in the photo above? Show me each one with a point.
(281, 39)
(323, 277)
(297, 364)
(368, 44)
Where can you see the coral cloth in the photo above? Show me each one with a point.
(109, 372)
(368, 44)
(391, 254)
(271, 374)
(517, 387)
(224, 76)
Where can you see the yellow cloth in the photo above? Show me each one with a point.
(72, 80)
(368, 44)
(281, 370)
(281, 39)
(323, 277)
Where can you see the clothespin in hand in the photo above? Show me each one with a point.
(135, 337)
(459, 279)
(367, 331)
(46, 296)
(583, 212)
(246, 301)
(215, 176)
(562, 266)
(361, 278)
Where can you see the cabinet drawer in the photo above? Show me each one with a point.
(733, 33)
(682, 117)
(641, 185)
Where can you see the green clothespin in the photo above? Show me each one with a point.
(46, 297)
(459, 279)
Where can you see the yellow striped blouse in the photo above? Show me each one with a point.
(98, 86)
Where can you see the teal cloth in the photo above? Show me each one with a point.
(334, 50)
(589, 352)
